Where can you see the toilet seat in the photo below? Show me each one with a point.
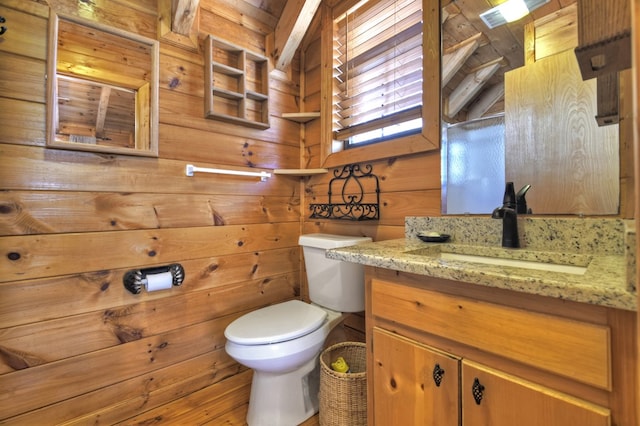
(276, 323)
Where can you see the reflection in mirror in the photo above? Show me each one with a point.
(551, 138)
(474, 152)
(103, 96)
(95, 113)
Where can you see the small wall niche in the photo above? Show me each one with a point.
(236, 84)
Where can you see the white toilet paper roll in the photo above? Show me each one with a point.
(161, 281)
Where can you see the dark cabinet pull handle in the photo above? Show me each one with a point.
(3, 29)
(438, 372)
(477, 389)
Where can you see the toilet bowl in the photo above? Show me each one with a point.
(286, 375)
(282, 342)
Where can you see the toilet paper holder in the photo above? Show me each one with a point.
(135, 279)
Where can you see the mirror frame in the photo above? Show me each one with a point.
(146, 104)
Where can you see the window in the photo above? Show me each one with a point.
(378, 73)
(398, 43)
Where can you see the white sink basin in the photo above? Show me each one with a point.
(517, 263)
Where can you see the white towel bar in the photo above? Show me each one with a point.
(191, 169)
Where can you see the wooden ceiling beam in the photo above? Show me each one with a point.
(292, 26)
(183, 14)
(485, 101)
(455, 58)
(469, 87)
(103, 106)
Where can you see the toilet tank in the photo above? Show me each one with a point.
(333, 284)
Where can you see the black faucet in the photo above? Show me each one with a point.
(521, 202)
(509, 215)
(509, 218)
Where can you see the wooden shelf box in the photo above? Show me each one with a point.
(236, 85)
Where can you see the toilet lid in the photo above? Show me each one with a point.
(276, 323)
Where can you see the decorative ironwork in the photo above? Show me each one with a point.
(438, 374)
(477, 390)
(352, 195)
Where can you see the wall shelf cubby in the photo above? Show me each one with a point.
(236, 84)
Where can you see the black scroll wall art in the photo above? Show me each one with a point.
(355, 183)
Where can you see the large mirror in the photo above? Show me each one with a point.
(515, 108)
(102, 88)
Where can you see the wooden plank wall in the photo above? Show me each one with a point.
(75, 346)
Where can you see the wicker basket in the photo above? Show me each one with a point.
(343, 396)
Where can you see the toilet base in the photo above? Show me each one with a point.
(285, 399)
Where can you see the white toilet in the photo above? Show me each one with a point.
(282, 342)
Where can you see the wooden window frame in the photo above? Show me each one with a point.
(331, 151)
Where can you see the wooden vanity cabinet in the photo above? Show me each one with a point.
(490, 397)
(502, 358)
(413, 384)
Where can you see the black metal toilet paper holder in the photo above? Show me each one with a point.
(135, 279)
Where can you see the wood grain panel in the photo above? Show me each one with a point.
(404, 389)
(510, 400)
(36, 387)
(556, 32)
(117, 402)
(20, 39)
(22, 122)
(140, 19)
(416, 172)
(39, 169)
(627, 153)
(82, 52)
(579, 160)
(45, 342)
(179, 110)
(22, 78)
(43, 212)
(578, 350)
(181, 143)
(75, 346)
(205, 405)
(254, 18)
(342, 227)
(182, 74)
(35, 256)
(395, 206)
(233, 31)
(57, 297)
(34, 7)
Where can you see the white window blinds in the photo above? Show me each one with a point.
(378, 72)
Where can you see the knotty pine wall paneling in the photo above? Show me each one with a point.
(75, 346)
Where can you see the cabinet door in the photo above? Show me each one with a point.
(493, 398)
(412, 383)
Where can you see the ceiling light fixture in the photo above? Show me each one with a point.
(510, 11)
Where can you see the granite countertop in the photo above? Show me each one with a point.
(606, 281)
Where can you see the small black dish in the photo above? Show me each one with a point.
(434, 239)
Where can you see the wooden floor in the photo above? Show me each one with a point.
(237, 417)
(227, 404)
